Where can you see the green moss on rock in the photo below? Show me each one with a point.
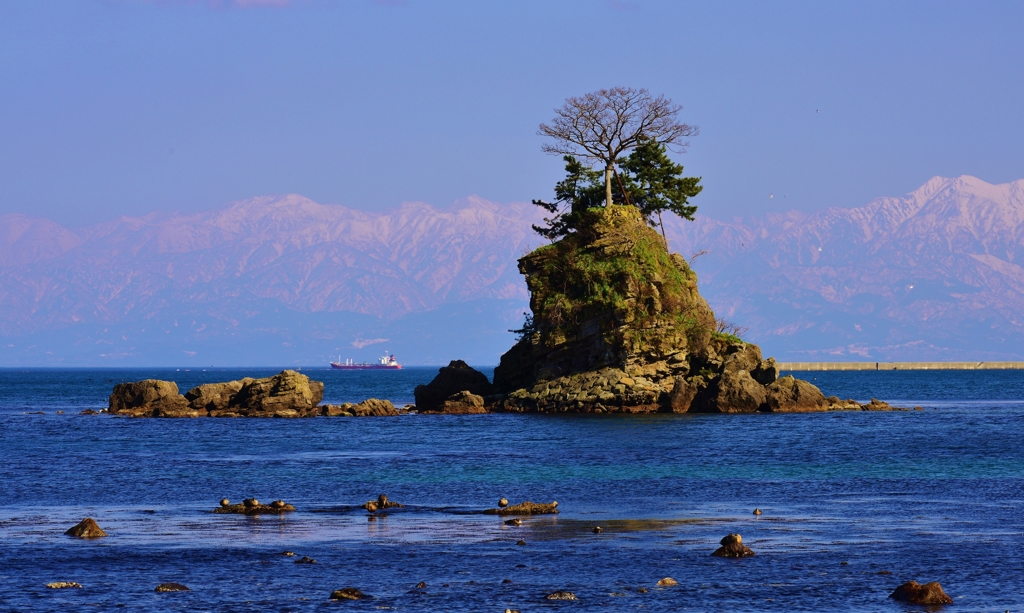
(610, 295)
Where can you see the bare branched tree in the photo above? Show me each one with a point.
(602, 125)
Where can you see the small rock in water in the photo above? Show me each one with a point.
(288, 553)
(60, 412)
(642, 590)
(514, 522)
(885, 572)
(89, 412)
(520, 542)
(502, 502)
(61, 585)
(506, 581)
(597, 530)
(914, 593)
(561, 595)
(757, 511)
(511, 610)
(421, 585)
(843, 563)
(732, 547)
(224, 502)
(525, 508)
(348, 593)
(668, 581)
(171, 587)
(305, 560)
(86, 529)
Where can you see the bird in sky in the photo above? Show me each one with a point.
(770, 196)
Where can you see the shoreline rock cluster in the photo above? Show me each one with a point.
(251, 506)
(288, 394)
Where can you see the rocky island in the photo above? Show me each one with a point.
(618, 326)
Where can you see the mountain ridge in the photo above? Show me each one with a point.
(935, 274)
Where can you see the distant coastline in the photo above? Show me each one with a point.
(815, 366)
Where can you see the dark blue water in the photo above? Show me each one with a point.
(926, 495)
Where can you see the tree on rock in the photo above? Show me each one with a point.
(654, 183)
(603, 125)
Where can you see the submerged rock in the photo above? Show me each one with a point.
(451, 380)
(171, 587)
(561, 595)
(251, 506)
(732, 547)
(305, 560)
(914, 593)
(525, 508)
(63, 585)
(348, 593)
(86, 529)
(667, 582)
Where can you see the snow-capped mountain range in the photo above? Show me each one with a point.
(936, 274)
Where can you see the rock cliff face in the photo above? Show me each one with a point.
(619, 326)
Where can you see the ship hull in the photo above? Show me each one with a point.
(337, 366)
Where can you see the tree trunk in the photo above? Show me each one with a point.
(608, 185)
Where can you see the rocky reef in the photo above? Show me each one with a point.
(618, 325)
(288, 394)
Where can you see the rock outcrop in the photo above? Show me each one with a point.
(526, 508)
(251, 506)
(86, 529)
(442, 394)
(732, 547)
(288, 394)
(619, 326)
(349, 593)
(171, 587)
(149, 398)
(462, 403)
(371, 407)
(914, 593)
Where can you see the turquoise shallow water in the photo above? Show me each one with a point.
(927, 495)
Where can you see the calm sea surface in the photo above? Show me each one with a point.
(928, 495)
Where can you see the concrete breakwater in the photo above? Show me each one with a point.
(814, 366)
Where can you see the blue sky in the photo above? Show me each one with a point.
(126, 107)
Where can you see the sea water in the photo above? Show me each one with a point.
(854, 503)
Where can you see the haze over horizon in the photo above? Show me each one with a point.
(932, 275)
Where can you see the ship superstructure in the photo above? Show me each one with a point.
(385, 362)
